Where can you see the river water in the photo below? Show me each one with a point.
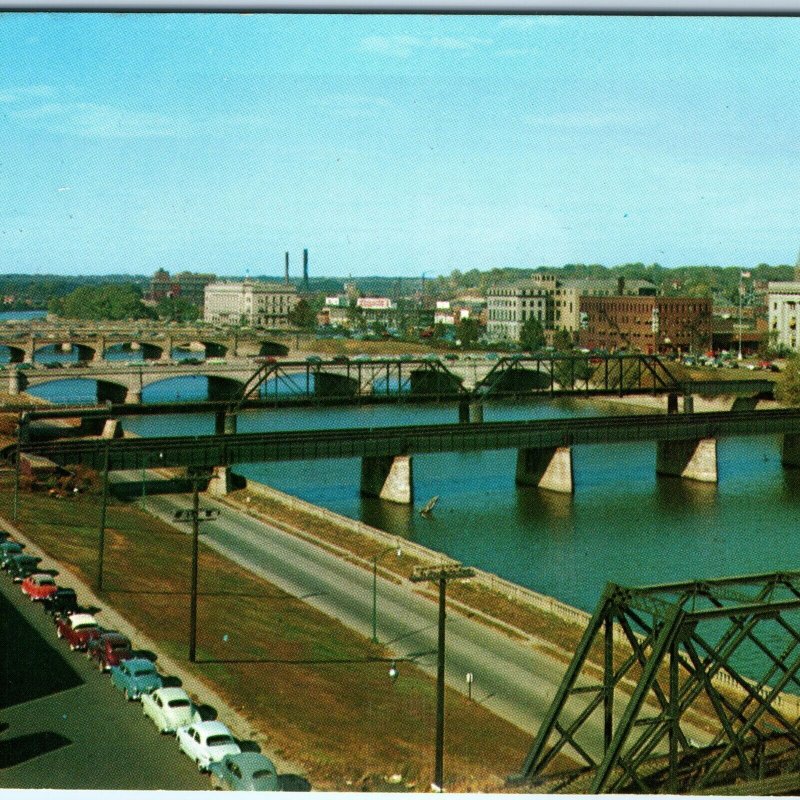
(623, 524)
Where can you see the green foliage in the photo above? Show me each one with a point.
(177, 309)
(787, 389)
(532, 335)
(562, 340)
(303, 316)
(467, 331)
(107, 302)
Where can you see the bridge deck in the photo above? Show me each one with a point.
(222, 450)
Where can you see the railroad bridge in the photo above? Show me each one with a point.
(686, 446)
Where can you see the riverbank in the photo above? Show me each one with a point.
(306, 688)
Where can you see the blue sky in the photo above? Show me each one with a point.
(395, 145)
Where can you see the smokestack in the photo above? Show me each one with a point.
(305, 268)
(286, 268)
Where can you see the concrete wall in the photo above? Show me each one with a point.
(693, 459)
(389, 478)
(547, 467)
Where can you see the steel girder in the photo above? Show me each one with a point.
(578, 373)
(699, 688)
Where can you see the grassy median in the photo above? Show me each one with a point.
(304, 681)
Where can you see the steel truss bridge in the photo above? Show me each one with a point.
(228, 449)
(680, 646)
(342, 381)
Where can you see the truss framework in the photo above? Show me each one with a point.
(674, 709)
(425, 378)
(559, 373)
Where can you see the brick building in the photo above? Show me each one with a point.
(646, 324)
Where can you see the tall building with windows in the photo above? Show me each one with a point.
(189, 286)
(783, 302)
(252, 303)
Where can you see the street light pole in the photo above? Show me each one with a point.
(375, 589)
(440, 576)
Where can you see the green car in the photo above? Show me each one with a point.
(244, 772)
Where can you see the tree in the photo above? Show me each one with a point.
(532, 335)
(467, 331)
(562, 340)
(108, 301)
(303, 316)
(177, 309)
(787, 389)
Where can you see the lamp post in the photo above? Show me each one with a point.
(440, 575)
(375, 560)
(101, 539)
(145, 465)
(194, 516)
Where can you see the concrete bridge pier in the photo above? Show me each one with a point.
(476, 412)
(221, 482)
(100, 351)
(672, 403)
(133, 396)
(790, 450)
(695, 459)
(166, 352)
(225, 423)
(14, 382)
(387, 477)
(688, 405)
(463, 411)
(546, 467)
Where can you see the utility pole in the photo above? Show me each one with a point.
(741, 292)
(194, 515)
(101, 539)
(440, 575)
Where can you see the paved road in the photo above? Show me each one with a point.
(62, 724)
(512, 679)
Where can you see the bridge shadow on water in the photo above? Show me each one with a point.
(29, 667)
(671, 492)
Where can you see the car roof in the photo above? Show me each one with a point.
(82, 619)
(252, 761)
(168, 693)
(115, 636)
(42, 576)
(138, 663)
(211, 727)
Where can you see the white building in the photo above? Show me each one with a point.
(248, 302)
(510, 307)
(783, 302)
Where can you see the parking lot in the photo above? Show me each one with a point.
(62, 724)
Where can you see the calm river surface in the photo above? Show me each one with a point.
(623, 524)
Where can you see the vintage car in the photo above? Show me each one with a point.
(77, 630)
(39, 586)
(170, 708)
(135, 677)
(63, 601)
(206, 742)
(7, 550)
(20, 566)
(244, 772)
(108, 649)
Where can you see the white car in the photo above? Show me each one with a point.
(205, 742)
(170, 709)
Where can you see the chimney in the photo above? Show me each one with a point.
(305, 268)
(286, 268)
(620, 285)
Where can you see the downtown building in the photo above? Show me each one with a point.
(783, 303)
(646, 324)
(256, 304)
(189, 286)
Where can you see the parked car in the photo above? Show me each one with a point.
(244, 772)
(39, 586)
(340, 360)
(8, 548)
(63, 601)
(170, 708)
(135, 677)
(314, 360)
(20, 566)
(77, 630)
(108, 649)
(206, 742)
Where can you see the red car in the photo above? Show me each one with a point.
(108, 649)
(78, 630)
(39, 586)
